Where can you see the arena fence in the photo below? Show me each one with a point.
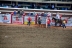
(15, 19)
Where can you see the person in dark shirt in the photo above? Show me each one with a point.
(18, 12)
(39, 21)
(21, 12)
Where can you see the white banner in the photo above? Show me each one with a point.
(17, 20)
(5, 18)
(43, 20)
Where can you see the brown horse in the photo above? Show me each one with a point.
(57, 21)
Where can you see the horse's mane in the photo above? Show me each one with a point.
(54, 18)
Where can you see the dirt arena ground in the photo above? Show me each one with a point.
(23, 36)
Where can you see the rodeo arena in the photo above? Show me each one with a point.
(36, 24)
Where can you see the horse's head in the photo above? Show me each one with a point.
(53, 18)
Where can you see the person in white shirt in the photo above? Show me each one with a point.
(58, 16)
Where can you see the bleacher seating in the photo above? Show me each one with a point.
(65, 5)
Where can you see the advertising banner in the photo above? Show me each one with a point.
(5, 18)
(26, 19)
(43, 20)
(17, 20)
(69, 22)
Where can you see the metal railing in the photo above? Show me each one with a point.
(40, 1)
(35, 9)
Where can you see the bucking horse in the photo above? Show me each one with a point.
(57, 21)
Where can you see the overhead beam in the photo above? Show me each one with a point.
(40, 1)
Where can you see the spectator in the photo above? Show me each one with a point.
(53, 6)
(15, 12)
(6, 6)
(39, 14)
(21, 12)
(42, 14)
(55, 9)
(13, 5)
(18, 12)
(24, 14)
(16, 6)
(34, 5)
(63, 8)
(66, 8)
(26, 7)
(29, 14)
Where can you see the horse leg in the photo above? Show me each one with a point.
(59, 24)
(55, 24)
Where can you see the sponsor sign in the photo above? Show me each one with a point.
(5, 18)
(26, 20)
(43, 20)
(69, 22)
(17, 20)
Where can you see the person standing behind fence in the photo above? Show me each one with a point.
(29, 20)
(39, 21)
(21, 12)
(18, 12)
(15, 12)
(64, 23)
(48, 21)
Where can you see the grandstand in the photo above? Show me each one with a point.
(40, 4)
